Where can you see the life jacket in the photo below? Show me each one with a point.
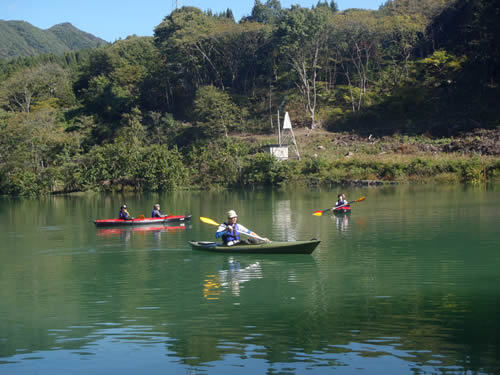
(123, 215)
(231, 236)
(156, 213)
(341, 202)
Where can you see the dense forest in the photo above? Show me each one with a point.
(156, 113)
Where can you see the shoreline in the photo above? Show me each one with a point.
(327, 159)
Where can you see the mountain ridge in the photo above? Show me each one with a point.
(20, 38)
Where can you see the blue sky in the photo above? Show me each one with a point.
(115, 19)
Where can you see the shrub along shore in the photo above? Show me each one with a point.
(326, 159)
(343, 158)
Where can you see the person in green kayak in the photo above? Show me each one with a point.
(124, 215)
(230, 232)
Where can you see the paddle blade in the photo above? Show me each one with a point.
(207, 220)
(318, 213)
(141, 217)
(360, 199)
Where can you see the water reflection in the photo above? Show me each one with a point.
(413, 288)
(231, 277)
(158, 229)
(235, 276)
(342, 221)
(211, 287)
(283, 227)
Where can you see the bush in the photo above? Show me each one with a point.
(217, 163)
(315, 166)
(472, 172)
(153, 168)
(263, 169)
(21, 182)
(161, 169)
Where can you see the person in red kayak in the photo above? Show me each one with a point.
(124, 215)
(341, 200)
(230, 231)
(156, 211)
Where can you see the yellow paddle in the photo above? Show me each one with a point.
(207, 220)
(320, 213)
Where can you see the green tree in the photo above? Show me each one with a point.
(31, 85)
(215, 113)
(115, 80)
(399, 35)
(161, 169)
(34, 149)
(132, 133)
(239, 66)
(440, 69)
(357, 36)
(182, 40)
(218, 162)
(470, 28)
(302, 36)
(268, 13)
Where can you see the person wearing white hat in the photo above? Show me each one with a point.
(230, 231)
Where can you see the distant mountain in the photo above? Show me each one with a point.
(20, 38)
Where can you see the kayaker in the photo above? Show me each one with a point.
(124, 213)
(341, 200)
(230, 231)
(156, 211)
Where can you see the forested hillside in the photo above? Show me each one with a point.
(158, 112)
(19, 38)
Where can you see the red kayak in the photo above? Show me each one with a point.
(143, 221)
(342, 210)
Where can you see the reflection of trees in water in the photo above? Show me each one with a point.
(274, 319)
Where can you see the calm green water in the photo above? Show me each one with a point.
(409, 283)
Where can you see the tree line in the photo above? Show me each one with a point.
(156, 112)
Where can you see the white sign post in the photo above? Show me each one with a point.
(287, 134)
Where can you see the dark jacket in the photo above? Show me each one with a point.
(156, 213)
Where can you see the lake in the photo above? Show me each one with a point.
(408, 283)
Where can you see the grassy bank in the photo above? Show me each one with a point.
(327, 159)
(341, 158)
(375, 169)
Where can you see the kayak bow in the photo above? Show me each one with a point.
(342, 210)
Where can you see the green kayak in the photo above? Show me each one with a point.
(292, 247)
